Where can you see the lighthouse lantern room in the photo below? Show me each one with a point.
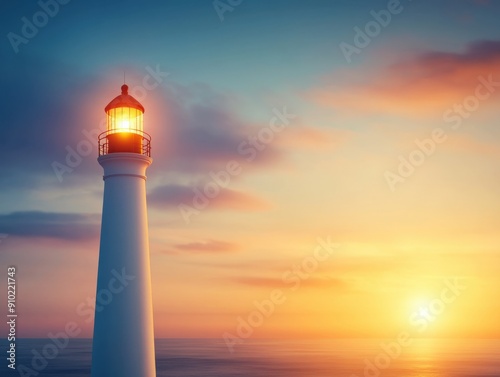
(124, 127)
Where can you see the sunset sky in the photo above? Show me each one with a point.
(389, 151)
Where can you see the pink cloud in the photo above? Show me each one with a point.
(227, 199)
(305, 137)
(464, 144)
(238, 200)
(204, 247)
(310, 282)
(416, 86)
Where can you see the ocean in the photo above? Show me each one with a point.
(282, 358)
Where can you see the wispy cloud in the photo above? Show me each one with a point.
(228, 199)
(416, 85)
(202, 130)
(204, 247)
(309, 137)
(318, 282)
(64, 226)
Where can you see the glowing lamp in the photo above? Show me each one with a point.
(124, 127)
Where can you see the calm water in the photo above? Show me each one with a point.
(328, 358)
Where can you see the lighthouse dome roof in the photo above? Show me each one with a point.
(124, 100)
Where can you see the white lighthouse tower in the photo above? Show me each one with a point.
(123, 343)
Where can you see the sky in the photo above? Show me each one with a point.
(355, 145)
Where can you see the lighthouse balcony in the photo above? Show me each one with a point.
(130, 141)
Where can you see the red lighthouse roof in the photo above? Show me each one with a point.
(124, 100)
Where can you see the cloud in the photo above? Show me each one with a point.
(313, 138)
(419, 85)
(173, 195)
(463, 144)
(64, 226)
(201, 129)
(36, 110)
(320, 282)
(204, 247)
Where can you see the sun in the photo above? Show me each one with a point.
(424, 313)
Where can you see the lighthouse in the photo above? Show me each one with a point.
(123, 341)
